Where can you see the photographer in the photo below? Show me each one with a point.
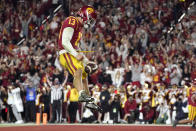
(179, 104)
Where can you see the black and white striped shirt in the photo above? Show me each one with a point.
(56, 92)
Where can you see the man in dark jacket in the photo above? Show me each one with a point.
(179, 104)
(115, 109)
(104, 101)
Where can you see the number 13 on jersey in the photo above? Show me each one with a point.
(72, 21)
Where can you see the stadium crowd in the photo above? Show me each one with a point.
(143, 73)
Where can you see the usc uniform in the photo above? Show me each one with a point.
(191, 104)
(72, 60)
(66, 59)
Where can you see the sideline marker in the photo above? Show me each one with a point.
(37, 118)
(45, 118)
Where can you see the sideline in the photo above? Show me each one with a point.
(79, 124)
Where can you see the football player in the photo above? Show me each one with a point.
(191, 93)
(70, 57)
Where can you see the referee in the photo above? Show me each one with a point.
(56, 97)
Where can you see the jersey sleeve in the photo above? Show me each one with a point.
(66, 38)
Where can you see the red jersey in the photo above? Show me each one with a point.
(156, 78)
(193, 75)
(190, 92)
(130, 106)
(77, 26)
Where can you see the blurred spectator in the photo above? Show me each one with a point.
(17, 105)
(164, 113)
(96, 91)
(117, 76)
(148, 114)
(36, 80)
(146, 75)
(115, 109)
(46, 101)
(104, 103)
(66, 89)
(2, 106)
(104, 78)
(104, 63)
(25, 20)
(73, 104)
(175, 76)
(10, 102)
(136, 69)
(131, 112)
(128, 74)
(30, 108)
